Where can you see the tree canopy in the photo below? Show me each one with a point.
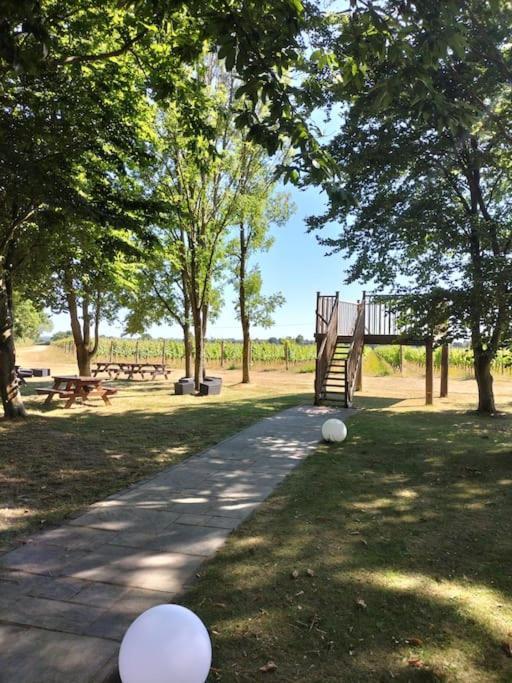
(425, 180)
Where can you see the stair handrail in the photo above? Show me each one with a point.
(326, 348)
(355, 353)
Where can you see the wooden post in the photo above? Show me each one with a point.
(317, 319)
(359, 376)
(222, 353)
(111, 352)
(137, 351)
(429, 372)
(444, 370)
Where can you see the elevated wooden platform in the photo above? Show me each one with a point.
(344, 328)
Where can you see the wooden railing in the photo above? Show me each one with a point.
(347, 316)
(327, 321)
(355, 354)
(380, 317)
(324, 308)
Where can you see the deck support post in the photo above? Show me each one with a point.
(445, 352)
(429, 372)
(359, 376)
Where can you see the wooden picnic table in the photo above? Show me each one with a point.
(131, 369)
(73, 387)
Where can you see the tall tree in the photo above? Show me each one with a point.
(159, 295)
(30, 320)
(425, 181)
(258, 208)
(84, 275)
(201, 182)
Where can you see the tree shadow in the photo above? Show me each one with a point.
(410, 517)
(404, 528)
(57, 461)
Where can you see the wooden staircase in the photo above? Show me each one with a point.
(339, 359)
(333, 387)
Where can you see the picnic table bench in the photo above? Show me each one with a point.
(72, 388)
(130, 369)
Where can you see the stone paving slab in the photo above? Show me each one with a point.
(67, 595)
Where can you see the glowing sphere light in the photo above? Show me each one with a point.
(165, 644)
(334, 430)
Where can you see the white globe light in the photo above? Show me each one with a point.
(165, 644)
(334, 430)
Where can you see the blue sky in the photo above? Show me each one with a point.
(295, 265)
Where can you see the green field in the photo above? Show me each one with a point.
(150, 349)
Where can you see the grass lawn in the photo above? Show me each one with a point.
(57, 461)
(386, 558)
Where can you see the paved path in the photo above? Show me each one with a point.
(68, 594)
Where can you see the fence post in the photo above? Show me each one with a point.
(222, 353)
(111, 350)
(286, 355)
(137, 351)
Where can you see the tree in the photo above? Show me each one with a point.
(83, 275)
(425, 180)
(30, 321)
(260, 42)
(202, 182)
(72, 74)
(159, 295)
(258, 208)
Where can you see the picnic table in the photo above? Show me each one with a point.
(73, 387)
(131, 369)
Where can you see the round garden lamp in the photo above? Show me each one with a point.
(165, 644)
(334, 430)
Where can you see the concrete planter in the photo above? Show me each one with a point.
(185, 385)
(210, 386)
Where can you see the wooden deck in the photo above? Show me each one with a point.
(343, 328)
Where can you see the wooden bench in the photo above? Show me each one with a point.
(63, 393)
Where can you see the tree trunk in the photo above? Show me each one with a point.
(482, 365)
(186, 327)
(11, 398)
(187, 349)
(246, 351)
(199, 327)
(83, 359)
(199, 350)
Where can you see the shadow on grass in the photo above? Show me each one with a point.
(406, 529)
(55, 463)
